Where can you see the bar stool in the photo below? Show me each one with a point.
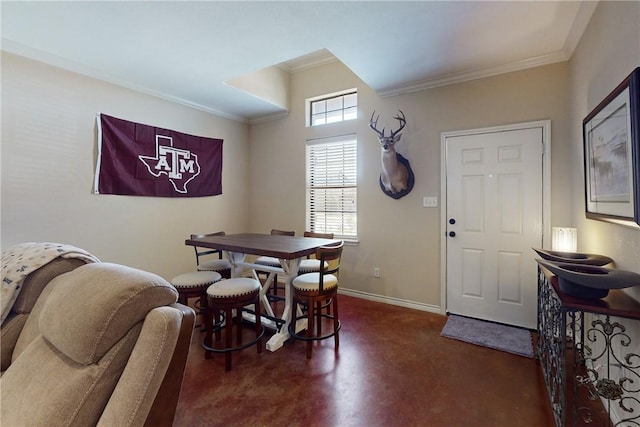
(194, 284)
(314, 290)
(226, 296)
(219, 264)
(311, 265)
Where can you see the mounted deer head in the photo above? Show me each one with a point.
(388, 142)
(396, 178)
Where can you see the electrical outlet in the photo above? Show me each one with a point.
(376, 272)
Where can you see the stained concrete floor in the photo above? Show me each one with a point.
(392, 369)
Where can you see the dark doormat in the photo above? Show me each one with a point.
(489, 334)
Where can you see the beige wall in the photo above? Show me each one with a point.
(608, 51)
(48, 156)
(48, 161)
(400, 236)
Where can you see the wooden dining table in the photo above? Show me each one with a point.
(289, 250)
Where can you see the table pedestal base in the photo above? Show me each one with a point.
(278, 339)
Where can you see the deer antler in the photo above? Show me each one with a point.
(403, 123)
(374, 123)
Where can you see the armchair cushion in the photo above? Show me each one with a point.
(93, 322)
(67, 393)
(89, 334)
(135, 393)
(31, 330)
(34, 284)
(11, 329)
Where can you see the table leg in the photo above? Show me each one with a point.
(236, 259)
(290, 268)
(238, 264)
(263, 293)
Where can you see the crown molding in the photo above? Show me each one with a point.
(309, 61)
(580, 22)
(65, 64)
(268, 118)
(481, 73)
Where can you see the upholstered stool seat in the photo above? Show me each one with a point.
(309, 266)
(226, 296)
(311, 282)
(195, 279)
(219, 265)
(194, 284)
(268, 260)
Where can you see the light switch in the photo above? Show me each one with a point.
(430, 201)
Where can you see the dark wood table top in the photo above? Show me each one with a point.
(285, 247)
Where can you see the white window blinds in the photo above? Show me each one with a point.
(332, 186)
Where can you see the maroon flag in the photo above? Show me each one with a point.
(141, 160)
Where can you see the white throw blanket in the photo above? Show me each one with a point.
(20, 260)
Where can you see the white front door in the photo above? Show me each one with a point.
(493, 217)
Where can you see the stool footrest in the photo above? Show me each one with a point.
(279, 322)
(236, 348)
(298, 336)
(230, 297)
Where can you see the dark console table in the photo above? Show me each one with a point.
(590, 364)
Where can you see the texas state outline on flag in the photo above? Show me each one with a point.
(180, 166)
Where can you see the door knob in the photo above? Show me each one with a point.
(452, 234)
(452, 221)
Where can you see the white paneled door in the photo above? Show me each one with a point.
(494, 216)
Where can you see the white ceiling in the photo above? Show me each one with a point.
(186, 50)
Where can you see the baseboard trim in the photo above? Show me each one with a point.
(390, 300)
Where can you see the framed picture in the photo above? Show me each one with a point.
(611, 136)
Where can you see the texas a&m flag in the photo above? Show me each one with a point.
(141, 160)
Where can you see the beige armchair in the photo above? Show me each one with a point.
(104, 345)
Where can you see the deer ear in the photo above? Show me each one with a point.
(397, 138)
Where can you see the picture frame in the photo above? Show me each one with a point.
(611, 138)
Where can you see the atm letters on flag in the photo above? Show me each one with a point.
(141, 160)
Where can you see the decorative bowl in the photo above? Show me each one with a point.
(589, 281)
(573, 257)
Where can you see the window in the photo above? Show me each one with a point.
(336, 107)
(332, 186)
